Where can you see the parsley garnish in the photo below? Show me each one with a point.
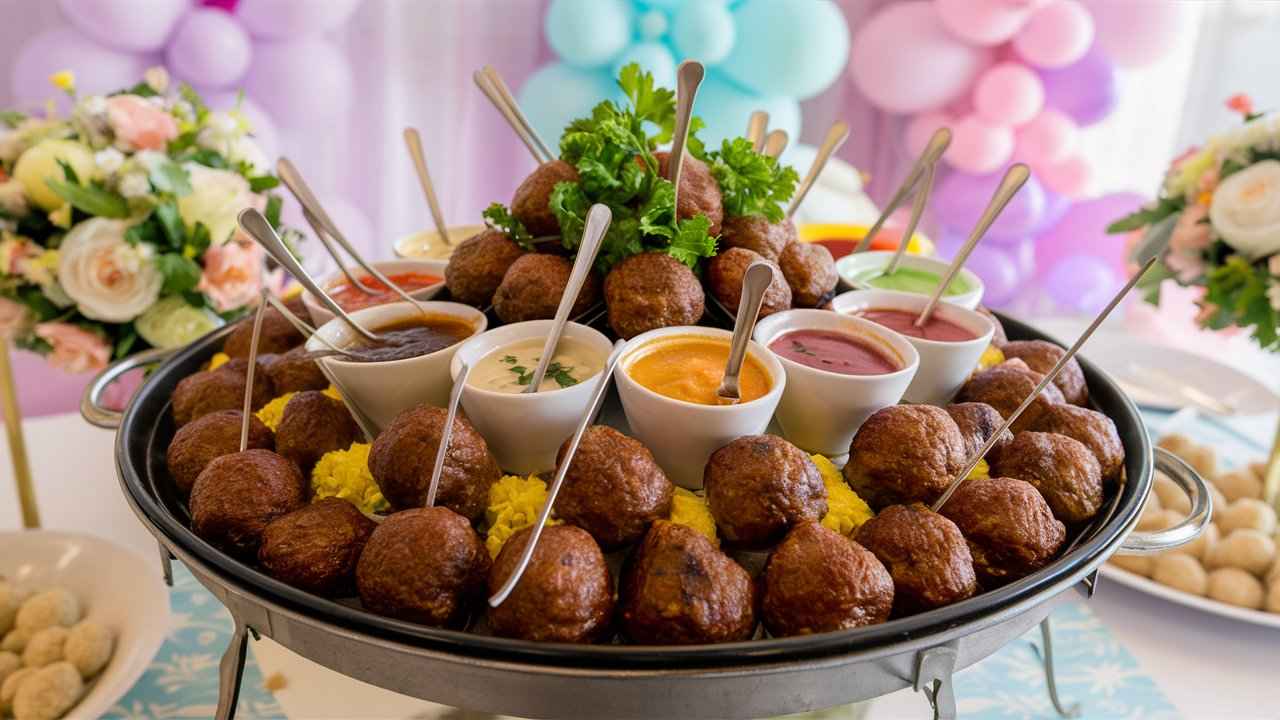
(751, 183)
(560, 373)
(800, 348)
(499, 217)
(509, 359)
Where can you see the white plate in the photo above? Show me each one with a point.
(1151, 587)
(116, 588)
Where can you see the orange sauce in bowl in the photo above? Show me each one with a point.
(690, 369)
(352, 298)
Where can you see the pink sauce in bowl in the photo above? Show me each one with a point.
(904, 322)
(834, 352)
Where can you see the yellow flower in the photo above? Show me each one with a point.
(691, 510)
(345, 474)
(61, 217)
(64, 80)
(514, 504)
(846, 512)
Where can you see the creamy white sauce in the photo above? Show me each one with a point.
(503, 369)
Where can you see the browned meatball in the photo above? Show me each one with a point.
(295, 371)
(197, 443)
(1095, 430)
(1063, 469)
(221, 389)
(810, 272)
(477, 265)
(652, 290)
(759, 486)
(1009, 527)
(403, 455)
(1004, 387)
(818, 581)
(314, 424)
(613, 489)
(904, 453)
(699, 192)
(999, 338)
(424, 565)
(530, 203)
(680, 590)
(756, 233)
(978, 422)
(236, 495)
(277, 334)
(1041, 356)
(533, 285)
(315, 548)
(926, 555)
(726, 271)
(565, 595)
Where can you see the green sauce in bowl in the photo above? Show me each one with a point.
(912, 280)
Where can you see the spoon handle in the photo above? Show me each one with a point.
(598, 218)
(446, 435)
(775, 142)
(756, 127)
(413, 141)
(836, 136)
(755, 282)
(917, 209)
(688, 78)
(495, 78)
(937, 145)
(325, 241)
(530, 140)
(247, 413)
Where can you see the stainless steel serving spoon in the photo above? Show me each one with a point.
(774, 143)
(755, 282)
(836, 135)
(933, 150)
(917, 210)
(324, 239)
(688, 78)
(413, 141)
(757, 125)
(494, 88)
(446, 435)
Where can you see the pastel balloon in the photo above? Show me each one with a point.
(977, 147)
(1071, 177)
(1082, 229)
(1048, 138)
(982, 22)
(993, 265)
(133, 25)
(652, 25)
(725, 107)
(209, 48)
(1162, 23)
(293, 19)
(350, 219)
(558, 93)
(302, 84)
(905, 61)
(788, 48)
(1057, 34)
(588, 33)
(98, 68)
(1082, 284)
(921, 128)
(961, 197)
(1085, 90)
(1055, 207)
(1008, 93)
(1023, 253)
(653, 57)
(703, 30)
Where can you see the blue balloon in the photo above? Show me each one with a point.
(653, 57)
(652, 25)
(1085, 90)
(960, 198)
(588, 33)
(726, 108)
(703, 30)
(788, 48)
(670, 4)
(558, 93)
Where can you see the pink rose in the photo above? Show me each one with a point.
(75, 349)
(13, 318)
(232, 274)
(140, 124)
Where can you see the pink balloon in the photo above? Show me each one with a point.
(1057, 34)
(304, 83)
(98, 69)
(904, 61)
(981, 22)
(1048, 138)
(135, 25)
(1008, 94)
(1070, 177)
(1082, 230)
(209, 48)
(979, 148)
(921, 128)
(1134, 33)
(293, 19)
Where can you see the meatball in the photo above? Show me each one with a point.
(652, 290)
(810, 272)
(565, 594)
(477, 265)
(1095, 430)
(759, 486)
(699, 193)
(1041, 356)
(532, 287)
(1009, 527)
(210, 436)
(277, 334)
(756, 233)
(425, 565)
(613, 489)
(978, 422)
(237, 495)
(221, 389)
(403, 456)
(904, 453)
(1061, 468)
(680, 590)
(726, 271)
(314, 424)
(818, 581)
(1004, 387)
(315, 548)
(295, 371)
(926, 555)
(530, 204)
(999, 338)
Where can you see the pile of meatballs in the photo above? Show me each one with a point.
(645, 291)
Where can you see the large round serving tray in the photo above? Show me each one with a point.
(756, 678)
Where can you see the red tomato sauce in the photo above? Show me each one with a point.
(835, 352)
(352, 298)
(905, 323)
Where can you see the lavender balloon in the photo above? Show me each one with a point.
(293, 19)
(302, 84)
(98, 69)
(1082, 284)
(995, 266)
(133, 25)
(961, 197)
(1083, 231)
(1055, 207)
(1085, 90)
(209, 48)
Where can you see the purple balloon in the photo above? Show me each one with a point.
(960, 198)
(997, 267)
(1055, 206)
(209, 48)
(1023, 254)
(291, 19)
(1083, 231)
(98, 69)
(1085, 90)
(302, 84)
(135, 25)
(1082, 284)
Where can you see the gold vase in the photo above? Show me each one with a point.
(17, 442)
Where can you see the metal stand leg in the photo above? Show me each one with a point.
(1046, 636)
(230, 671)
(166, 565)
(933, 677)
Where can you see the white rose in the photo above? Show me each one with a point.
(216, 198)
(108, 160)
(109, 279)
(134, 185)
(1246, 209)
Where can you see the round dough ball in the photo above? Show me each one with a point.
(1273, 598)
(1159, 520)
(1199, 548)
(49, 608)
(1137, 564)
(1219, 500)
(1181, 572)
(89, 647)
(45, 647)
(1247, 514)
(1152, 502)
(9, 688)
(49, 693)
(1171, 496)
(15, 641)
(1176, 443)
(1248, 550)
(1239, 484)
(1235, 587)
(9, 664)
(1274, 573)
(1204, 459)
(10, 600)
(1259, 469)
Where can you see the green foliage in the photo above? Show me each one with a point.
(1143, 217)
(12, 118)
(166, 213)
(181, 274)
(92, 199)
(751, 183)
(1238, 289)
(498, 217)
(169, 177)
(272, 211)
(259, 183)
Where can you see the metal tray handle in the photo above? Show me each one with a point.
(1149, 543)
(91, 408)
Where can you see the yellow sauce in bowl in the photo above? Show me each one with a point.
(690, 368)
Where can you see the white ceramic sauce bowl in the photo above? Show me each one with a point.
(682, 435)
(851, 267)
(427, 244)
(524, 431)
(385, 389)
(821, 410)
(944, 366)
(321, 314)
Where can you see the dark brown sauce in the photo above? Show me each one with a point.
(412, 337)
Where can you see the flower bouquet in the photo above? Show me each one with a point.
(118, 222)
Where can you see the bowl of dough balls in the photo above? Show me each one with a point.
(80, 620)
(1233, 567)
